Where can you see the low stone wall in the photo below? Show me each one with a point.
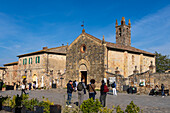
(150, 81)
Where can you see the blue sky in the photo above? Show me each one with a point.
(28, 25)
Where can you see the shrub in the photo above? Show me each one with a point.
(46, 104)
(118, 109)
(29, 104)
(90, 106)
(106, 110)
(3, 86)
(132, 108)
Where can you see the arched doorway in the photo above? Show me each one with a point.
(83, 73)
(35, 80)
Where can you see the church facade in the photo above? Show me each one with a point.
(86, 57)
(91, 58)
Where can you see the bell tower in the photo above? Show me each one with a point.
(123, 33)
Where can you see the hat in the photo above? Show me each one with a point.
(70, 81)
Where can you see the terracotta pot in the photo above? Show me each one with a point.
(3, 89)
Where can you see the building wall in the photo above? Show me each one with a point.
(1, 73)
(11, 75)
(48, 63)
(92, 59)
(31, 70)
(126, 62)
(57, 63)
(115, 59)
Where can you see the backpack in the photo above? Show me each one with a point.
(80, 86)
(74, 84)
(87, 87)
(113, 85)
(106, 89)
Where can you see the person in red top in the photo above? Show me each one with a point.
(103, 93)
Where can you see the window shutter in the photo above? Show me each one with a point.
(23, 61)
(31, 60)
(36, 60)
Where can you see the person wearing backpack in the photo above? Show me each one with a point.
(103, 93)
(69, 93)
(91, 89)
(114, 88)
(81, 87)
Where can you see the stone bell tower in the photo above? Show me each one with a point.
(123, 33)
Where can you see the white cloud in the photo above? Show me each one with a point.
(152, 32)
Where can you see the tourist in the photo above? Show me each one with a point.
(34, 85)
(156, 91)
(81, 87)
(114, 88)
(91, 89)
(103, 92)
(23, 87)
(74, 85)
(162, 90)
(69, 93)
(30, 85)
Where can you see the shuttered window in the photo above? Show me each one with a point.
(38, 59)
(23, 61)
(31, 60)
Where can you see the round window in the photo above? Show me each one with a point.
(83, 48)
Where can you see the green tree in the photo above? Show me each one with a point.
(162, 62)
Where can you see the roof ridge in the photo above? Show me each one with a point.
(129, 47)
(11, 63)
(93, 37)
(57, 47)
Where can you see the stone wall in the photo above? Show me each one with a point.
(151, 80)
(11, 75)
(126, 62)
(92, 59)
(45, 71)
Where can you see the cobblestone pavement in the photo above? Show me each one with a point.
(149, 104)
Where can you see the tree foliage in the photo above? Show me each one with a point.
(162, 62)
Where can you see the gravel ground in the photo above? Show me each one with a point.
(149, 104)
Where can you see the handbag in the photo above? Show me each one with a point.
(93, 89)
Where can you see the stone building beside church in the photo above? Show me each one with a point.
(86, 57)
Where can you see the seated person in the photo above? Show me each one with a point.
(156, 91)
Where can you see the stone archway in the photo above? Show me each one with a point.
(83, 73)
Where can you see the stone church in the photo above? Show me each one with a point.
(86, 57)
(91, 58)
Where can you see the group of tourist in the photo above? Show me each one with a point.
(81, 87)
(156, 90)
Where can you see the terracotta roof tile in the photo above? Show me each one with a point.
(60, 50)
(126, 48)
(12, 63)
(2, 67)
(121, 47)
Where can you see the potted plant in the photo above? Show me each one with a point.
(2, 99)
(18, 101)
(3, 87)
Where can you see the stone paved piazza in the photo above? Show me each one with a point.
(149, 104)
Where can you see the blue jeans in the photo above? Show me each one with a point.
(92, 95)
(69, 98)
(163, 94)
